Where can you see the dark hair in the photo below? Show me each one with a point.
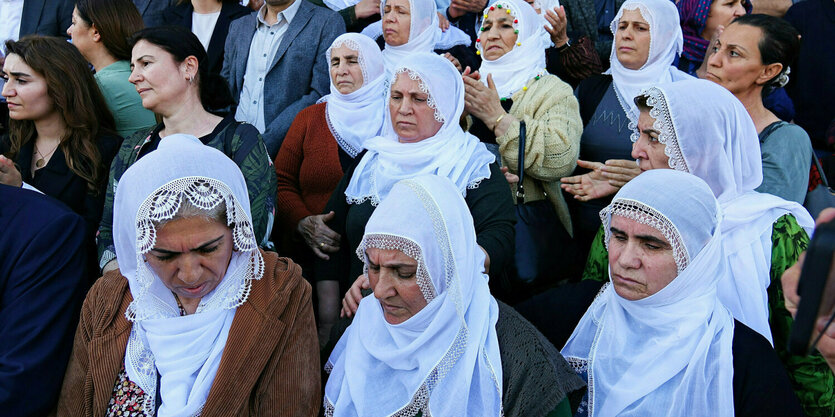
(76, 97)
(780, 43)
(181, 43)
(116, 21)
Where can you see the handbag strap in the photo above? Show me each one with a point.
(520, 168)
(817, 164)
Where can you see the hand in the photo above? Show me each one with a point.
(472, 6)
(468, 72)
(443, 23)
(620, 171)
(454, 61)
(589, 186)
(9, 174)
(318, 235)
(702, 71)
(511, 178)
(352, 299)
(367, 8)
(110, 266)
(558, 24)
(482, 101)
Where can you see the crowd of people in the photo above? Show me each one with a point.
(412, 207)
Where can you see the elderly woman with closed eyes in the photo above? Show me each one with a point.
(421, 135)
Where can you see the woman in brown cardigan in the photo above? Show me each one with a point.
(197, 321)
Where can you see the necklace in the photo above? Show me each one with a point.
(40, 162)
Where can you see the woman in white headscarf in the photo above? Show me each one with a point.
(187, 326)
(648, 39)
(432, 340)
(657, 341)
(411, 26)
(324, 141)
(763, 234)
(513, 86)
(421, 135)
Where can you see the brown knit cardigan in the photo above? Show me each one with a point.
(270, 365)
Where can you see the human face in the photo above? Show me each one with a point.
(498, 36)
(25, 91)
(191, 256)
(411, 116)
(393, 279)
(648, 150)
(397, 19)
(83, 36)
(160, 82)
(736, 63)
(640, 258)
(722, 12)
(632, 40)
(346, 73)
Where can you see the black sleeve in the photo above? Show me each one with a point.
(494, 216)
(464, 54)
(557, 311)
(761, 385)
(44, 280)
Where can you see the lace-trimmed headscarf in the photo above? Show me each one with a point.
(424, 34)
(355, 117)
(444, 360)
(665, 45)
(185, 350)
(618, 342)
(451, 153)
(513, 70)
(708, 133)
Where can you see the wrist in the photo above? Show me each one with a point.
(562, 44)
(453, 12)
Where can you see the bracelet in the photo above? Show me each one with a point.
(495, 125)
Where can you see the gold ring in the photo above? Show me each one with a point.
(321, 244)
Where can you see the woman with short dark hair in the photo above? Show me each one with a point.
(100, 30)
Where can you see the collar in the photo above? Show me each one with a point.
(288, 13)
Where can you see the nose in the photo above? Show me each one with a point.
(385, 285)
(739, 10)
(639, 148)
(7, 90)
(68, 31)
(628, 258)
(189, 269)
(134, 76)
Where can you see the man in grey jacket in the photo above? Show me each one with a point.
(275, 64)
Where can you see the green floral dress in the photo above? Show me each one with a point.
(811, 378)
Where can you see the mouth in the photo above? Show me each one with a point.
(492, 47)
(390, 308)
(12, 105)
(194, 290)
(712, 76)
(142, 90)
(625, 49)
(619, 279)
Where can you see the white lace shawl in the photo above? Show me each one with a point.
(444, 360)
(355, 117)
(186, 351)
(666, 43)
(619, 342)
(451, 153)
(719, 144)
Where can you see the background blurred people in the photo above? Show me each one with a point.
(104, 44)
(286, 40)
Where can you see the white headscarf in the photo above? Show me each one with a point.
(669, 354)
(445, 359)
(185, 350)
(355, 117)
(708, 133)
(424, 34)
(451, 153)
(526, 60)
(666, 43)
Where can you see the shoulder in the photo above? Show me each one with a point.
(237, 10)
(242, 129)
(595, 82)
(281, 287)
(242, 23)
(312, 112)
(107, 299)
(108, 143)
(788, 132)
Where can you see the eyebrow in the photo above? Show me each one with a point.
(143, 56)
(391, 265)
(733, 45)
(203, 246)
(333, 58)
(643, 238)
(649, 130)
(19, 74)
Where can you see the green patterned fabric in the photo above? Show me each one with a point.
(811, 378)
(243, 145)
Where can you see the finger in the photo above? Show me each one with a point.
(617, 183)
(626, 163)
(320, 254)
(490, 84)
(589, 164)
(504, 170)
(571, 180)
(560, 12)
(328, 233)
(328, 217)
(467, 71)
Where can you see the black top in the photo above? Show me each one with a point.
(760, 383)
(481, 131)
(490, 205)
(56, 180)
(155, 138)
